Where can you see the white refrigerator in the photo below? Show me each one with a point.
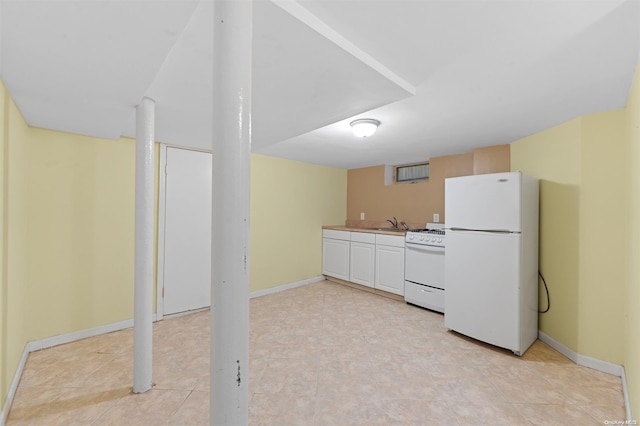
(491, 259)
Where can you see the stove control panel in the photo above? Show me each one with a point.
(428, 237)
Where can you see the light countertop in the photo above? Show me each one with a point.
(368, 230)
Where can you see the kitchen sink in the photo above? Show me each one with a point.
(386, 229)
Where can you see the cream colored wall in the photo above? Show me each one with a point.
(290, 201)
(554, 157)
(603, 255)
(631, 304)
(17, 232)
(583, 229)
(3, 280)
(67, 234)
(81, 194)
(15, 259)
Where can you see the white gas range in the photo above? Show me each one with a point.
(424, 267)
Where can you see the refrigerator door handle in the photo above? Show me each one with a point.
(491, 231)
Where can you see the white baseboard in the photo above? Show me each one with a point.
(596, 364)
(586, 361)
(625, 393)
(284, 287)
(14, 387)
(50, 342)
(61, 339)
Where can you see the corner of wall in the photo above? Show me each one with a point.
(492, 159)
(3, 247)
(303, 196)
(603, 270)
(632, 291)
(589, 169)
(14, 257)
(553, 156)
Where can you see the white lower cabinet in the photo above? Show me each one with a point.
(390, 264)
(372, 260)
(335, 253)
(363, 258)
(362, 268)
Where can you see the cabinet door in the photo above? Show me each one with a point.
(390, 269)
(363, 257)
(335, 258)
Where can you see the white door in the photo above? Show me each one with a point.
(187, 231)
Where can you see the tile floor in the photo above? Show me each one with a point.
(322, 354)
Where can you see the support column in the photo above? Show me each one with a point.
(143, 280)
(230, 212)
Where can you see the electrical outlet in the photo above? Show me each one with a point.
(362, 216)
(436, 218)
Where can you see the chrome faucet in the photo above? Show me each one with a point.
(404, 225)
(393, 222)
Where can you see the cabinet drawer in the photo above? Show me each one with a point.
(363, 237)
(390, 240)
(336, 235)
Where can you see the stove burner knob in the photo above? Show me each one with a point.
(421, 238)
(439, 240)
(410, 237)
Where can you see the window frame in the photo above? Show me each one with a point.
(416, 180)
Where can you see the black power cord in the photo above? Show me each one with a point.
(547, 290)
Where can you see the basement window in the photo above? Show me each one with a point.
(412, 172)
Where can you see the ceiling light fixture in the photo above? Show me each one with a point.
(364, 127)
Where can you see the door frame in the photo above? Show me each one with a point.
(162, 204)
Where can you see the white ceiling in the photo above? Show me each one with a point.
(442, 77)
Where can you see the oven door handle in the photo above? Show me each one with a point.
(424, 248)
